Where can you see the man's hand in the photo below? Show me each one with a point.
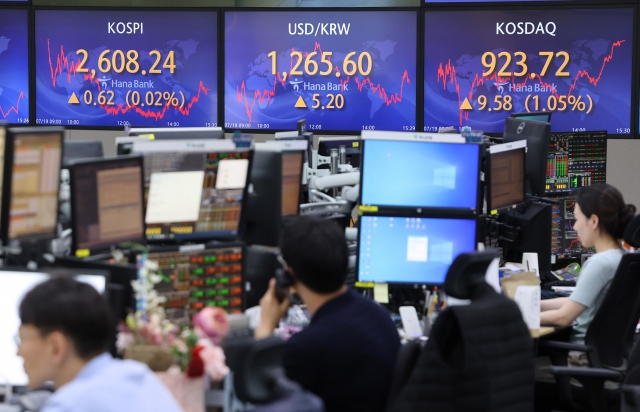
(272, 311)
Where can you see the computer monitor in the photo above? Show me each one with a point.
(420, 175)
(179, 133)
(576, 160)
(195, 188)
(195, 279)
(263, 217)
(565, 242)
(352, 145)
(292, 163)
(15, 284)
(33, 157)
(276, 180)
(106, 202)
(411, 250)
(537, 136)
(505, 175)
(81, 149)
(537, 116)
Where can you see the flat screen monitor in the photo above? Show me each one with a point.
(537, 136)
(122, 68)
(107, 202)
(506, 175)
(338, 70)
(16, 284)
(33, 158)
(193, 280)
(574, 62)
(292, 162)
(537, 116)
(81, 149)
(352, 146)
(177, 133)
(276, 180)
(576, 160)
(410, 174)
(418, 250)
(194, 188)
(565, 241)
(14, 60)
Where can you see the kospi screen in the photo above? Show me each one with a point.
(14, 64)
(339, 70)
(121, 68)
(576, 63)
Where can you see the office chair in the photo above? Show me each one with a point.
(259, 378)
(407, 358)
(608, 341)
(478, 356)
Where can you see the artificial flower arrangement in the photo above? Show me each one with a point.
(147, 335)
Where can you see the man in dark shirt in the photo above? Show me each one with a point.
(347, 353)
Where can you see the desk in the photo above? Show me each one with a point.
(543, 331)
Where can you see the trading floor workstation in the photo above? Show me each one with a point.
(448, 142)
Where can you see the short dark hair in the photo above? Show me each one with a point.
(74, 308)
(317, 252)
(606, 202)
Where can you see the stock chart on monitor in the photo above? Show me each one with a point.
(576, 160)
(14, 60)
(483, 65)
(342, 71)
(564, 238)
(126, 68)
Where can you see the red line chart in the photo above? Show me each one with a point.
(260, 96)
(13, 109)
(64, 64)
(447, 74)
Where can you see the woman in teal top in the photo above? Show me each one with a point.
(601, 218)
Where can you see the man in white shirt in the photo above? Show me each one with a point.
(63, 337)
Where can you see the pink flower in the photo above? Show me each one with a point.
(211, 323)
(214, 360)
(124, 340)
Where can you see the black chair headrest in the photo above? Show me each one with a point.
(632, 232)
(467, 272)
(256, 365)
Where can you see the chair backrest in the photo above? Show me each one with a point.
(467, 272)
(407, 358)
(478, 356)
(613, 326)
(256, 367)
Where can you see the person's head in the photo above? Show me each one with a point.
(601, 213)
(316, 253)
(62, 321)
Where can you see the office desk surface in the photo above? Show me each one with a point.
(543, 331)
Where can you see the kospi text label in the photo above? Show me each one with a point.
(125, 28)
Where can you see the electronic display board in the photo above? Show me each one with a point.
(483, 65)
(339, 70)
(14, 61)
(126, 68)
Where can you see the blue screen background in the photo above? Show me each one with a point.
(589, 36)
(192, 36)
(384, 242)
(14, 61)
(386, 100)
(420, 174)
